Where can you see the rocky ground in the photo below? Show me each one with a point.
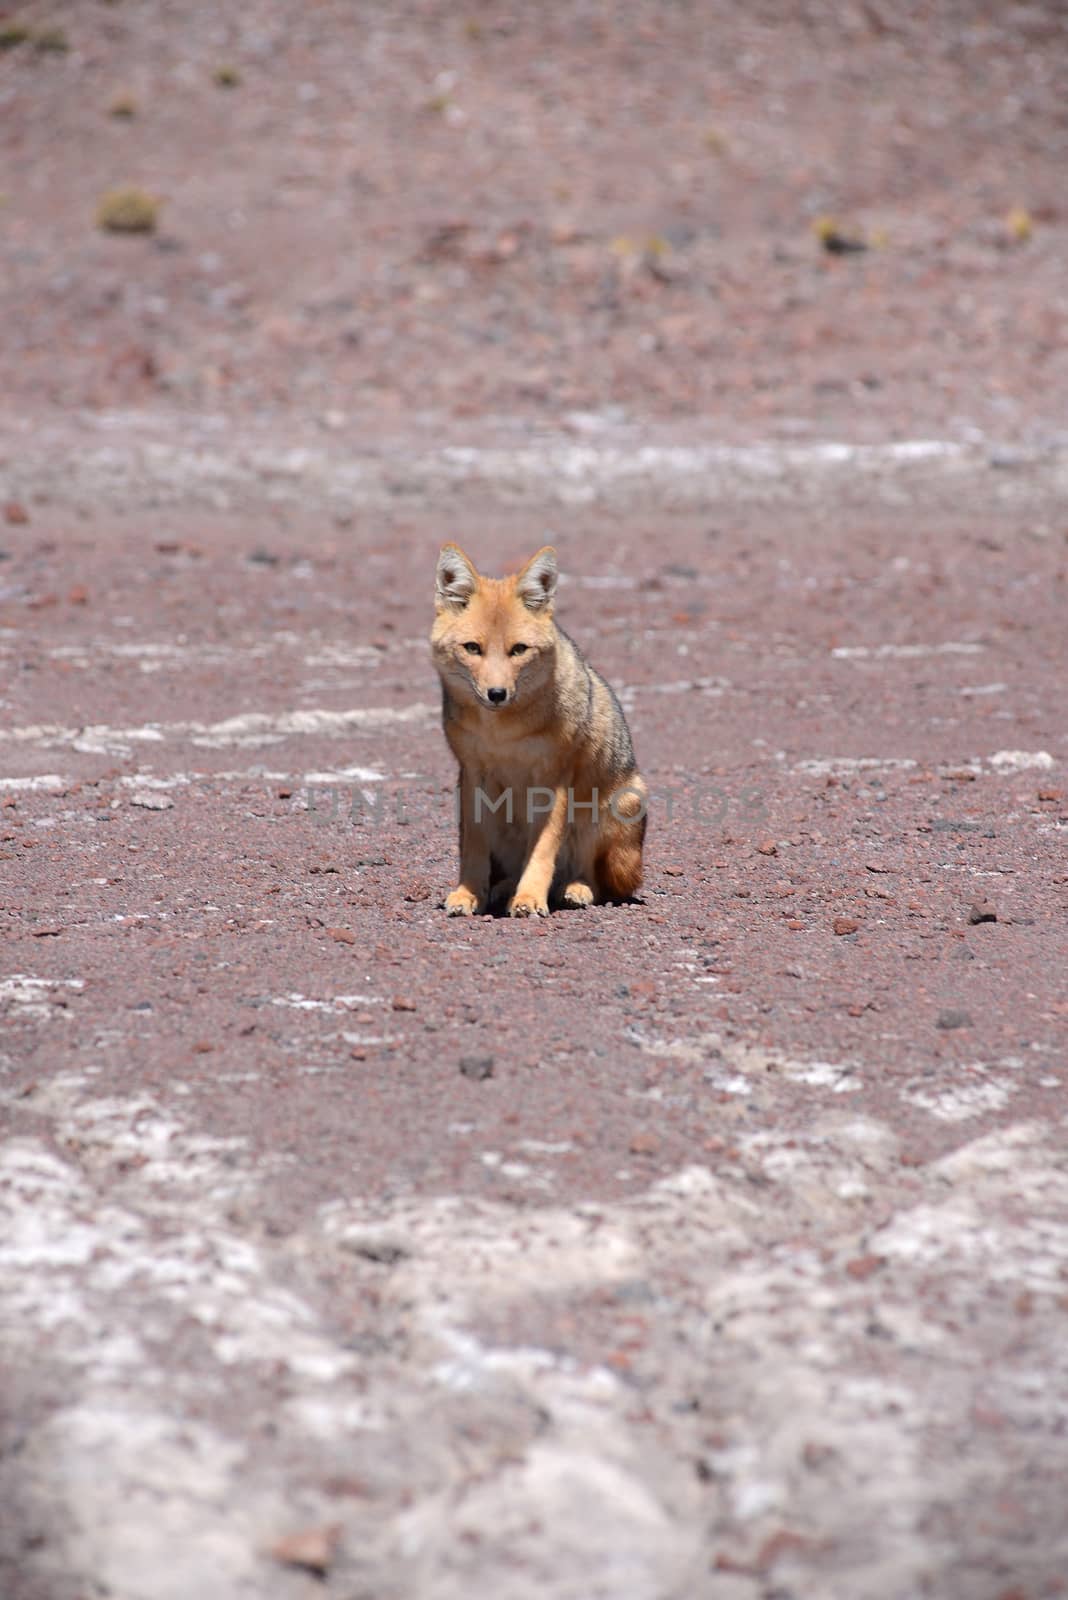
(713, 1245)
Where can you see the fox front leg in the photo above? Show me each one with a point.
(531, 898)
(471, 894)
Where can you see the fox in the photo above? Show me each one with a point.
(551, 805)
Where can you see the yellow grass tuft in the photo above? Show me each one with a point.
(128, 210)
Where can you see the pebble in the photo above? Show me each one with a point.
(950, 1018)
(863, 1266)
(312, 1549)
(982, 911)
(149, 800)
(844, 925)
(477, 1068)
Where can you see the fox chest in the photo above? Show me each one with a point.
(508, 764)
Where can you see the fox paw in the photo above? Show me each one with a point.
(461, 903)
(577, 894)
(525, 904)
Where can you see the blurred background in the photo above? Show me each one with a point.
(788, 216)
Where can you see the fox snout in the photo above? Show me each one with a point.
(496, 697)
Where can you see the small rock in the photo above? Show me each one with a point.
(342, 936)
(783, 1542)
(14, 512)
(78, 596)
(863, 1266)
(150, 800)
(477, 1068)
(418, 889)
(982, 911)
(382, 1251)
(1050, 794)
(674, 872)
(768, 847)
(877, 866)
(313, 1549)
(402, 1003)
(644, 1144)
(844, 925)
(950, 1018)
(841, 244)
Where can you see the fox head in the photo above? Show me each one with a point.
(494, 639)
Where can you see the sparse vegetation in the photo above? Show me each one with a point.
(829, 232)
(51, 41)
(12, 34)
(1018, 225)
(129, 210)
(226, 77)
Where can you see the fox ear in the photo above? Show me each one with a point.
(536, 584)
(457, 579)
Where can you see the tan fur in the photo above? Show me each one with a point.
(558, 739)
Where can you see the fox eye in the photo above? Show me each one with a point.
(472, 648)
(518, 650)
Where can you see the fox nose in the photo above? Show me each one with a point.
(496, 697)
